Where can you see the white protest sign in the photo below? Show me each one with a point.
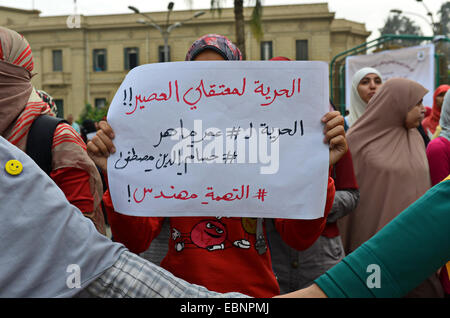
(414, 63)
(220, 138)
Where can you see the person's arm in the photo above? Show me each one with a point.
(74, 183)
(398, 258)
(346, 198)
(134, 277)
(345, 201)
(301, 234)
(136, 233)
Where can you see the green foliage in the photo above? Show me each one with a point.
(92, 113)
(443, 28)
(401, 25)
(216, 5)
(445, 19)
(255, 21)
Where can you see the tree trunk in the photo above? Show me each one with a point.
(240, 26)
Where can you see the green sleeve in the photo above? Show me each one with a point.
(407, 251)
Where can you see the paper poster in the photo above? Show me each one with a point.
(221, 138)
(414, 63)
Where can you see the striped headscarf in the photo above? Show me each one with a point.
(218, 43)
(15, 49)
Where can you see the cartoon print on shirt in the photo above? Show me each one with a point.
(212, 235)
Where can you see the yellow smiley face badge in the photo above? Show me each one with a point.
(13, 167)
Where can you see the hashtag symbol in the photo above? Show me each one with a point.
(229, 156)
(262, 193)
(233, 132)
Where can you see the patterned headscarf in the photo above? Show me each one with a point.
(46, 97)
(218, 43)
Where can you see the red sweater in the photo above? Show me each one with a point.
(218, 253)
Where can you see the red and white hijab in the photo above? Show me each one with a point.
(20, 105)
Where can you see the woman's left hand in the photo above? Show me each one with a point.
(335, 135)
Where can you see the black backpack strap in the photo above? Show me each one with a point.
(40, 140)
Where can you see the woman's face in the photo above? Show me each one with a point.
(415, 116)
(368, 86)
(209, 55)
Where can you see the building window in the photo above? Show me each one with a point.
(131, 57)
(100, 103)
(301, 47)
(59, 107)
(99, 60)
(161, 53)
(266, 50)
(57, 60)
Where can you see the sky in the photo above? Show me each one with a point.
(371, 12)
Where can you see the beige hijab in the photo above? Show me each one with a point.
(390, 162)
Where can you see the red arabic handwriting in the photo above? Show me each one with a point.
(194, 94)
(201, 91)
(237, 193)
(276, 93)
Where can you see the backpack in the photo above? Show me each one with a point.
(40, 140)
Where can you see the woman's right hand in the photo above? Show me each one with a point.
(101, 146)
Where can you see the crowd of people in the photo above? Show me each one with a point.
(386, 192)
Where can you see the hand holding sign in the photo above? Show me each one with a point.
(101, 146)
(245, 143)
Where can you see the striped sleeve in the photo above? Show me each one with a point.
(65, 133)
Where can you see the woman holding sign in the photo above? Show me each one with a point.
(223, 254)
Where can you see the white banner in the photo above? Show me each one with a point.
(415, 63)
(220, 138)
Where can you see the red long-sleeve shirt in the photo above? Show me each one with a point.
(218, 253)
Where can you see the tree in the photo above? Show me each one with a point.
(444, 25)
(93, 113)
(239, 22)
(443, 28)
(401, 25)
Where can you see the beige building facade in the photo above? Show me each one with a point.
(84, 61)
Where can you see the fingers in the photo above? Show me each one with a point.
(335, 135)
(339, 143)
(106, 128)
(330, 115)
(101, 144)
(335, 131)
(338, 148)
(333, 119)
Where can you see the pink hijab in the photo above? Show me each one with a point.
(390, 161)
